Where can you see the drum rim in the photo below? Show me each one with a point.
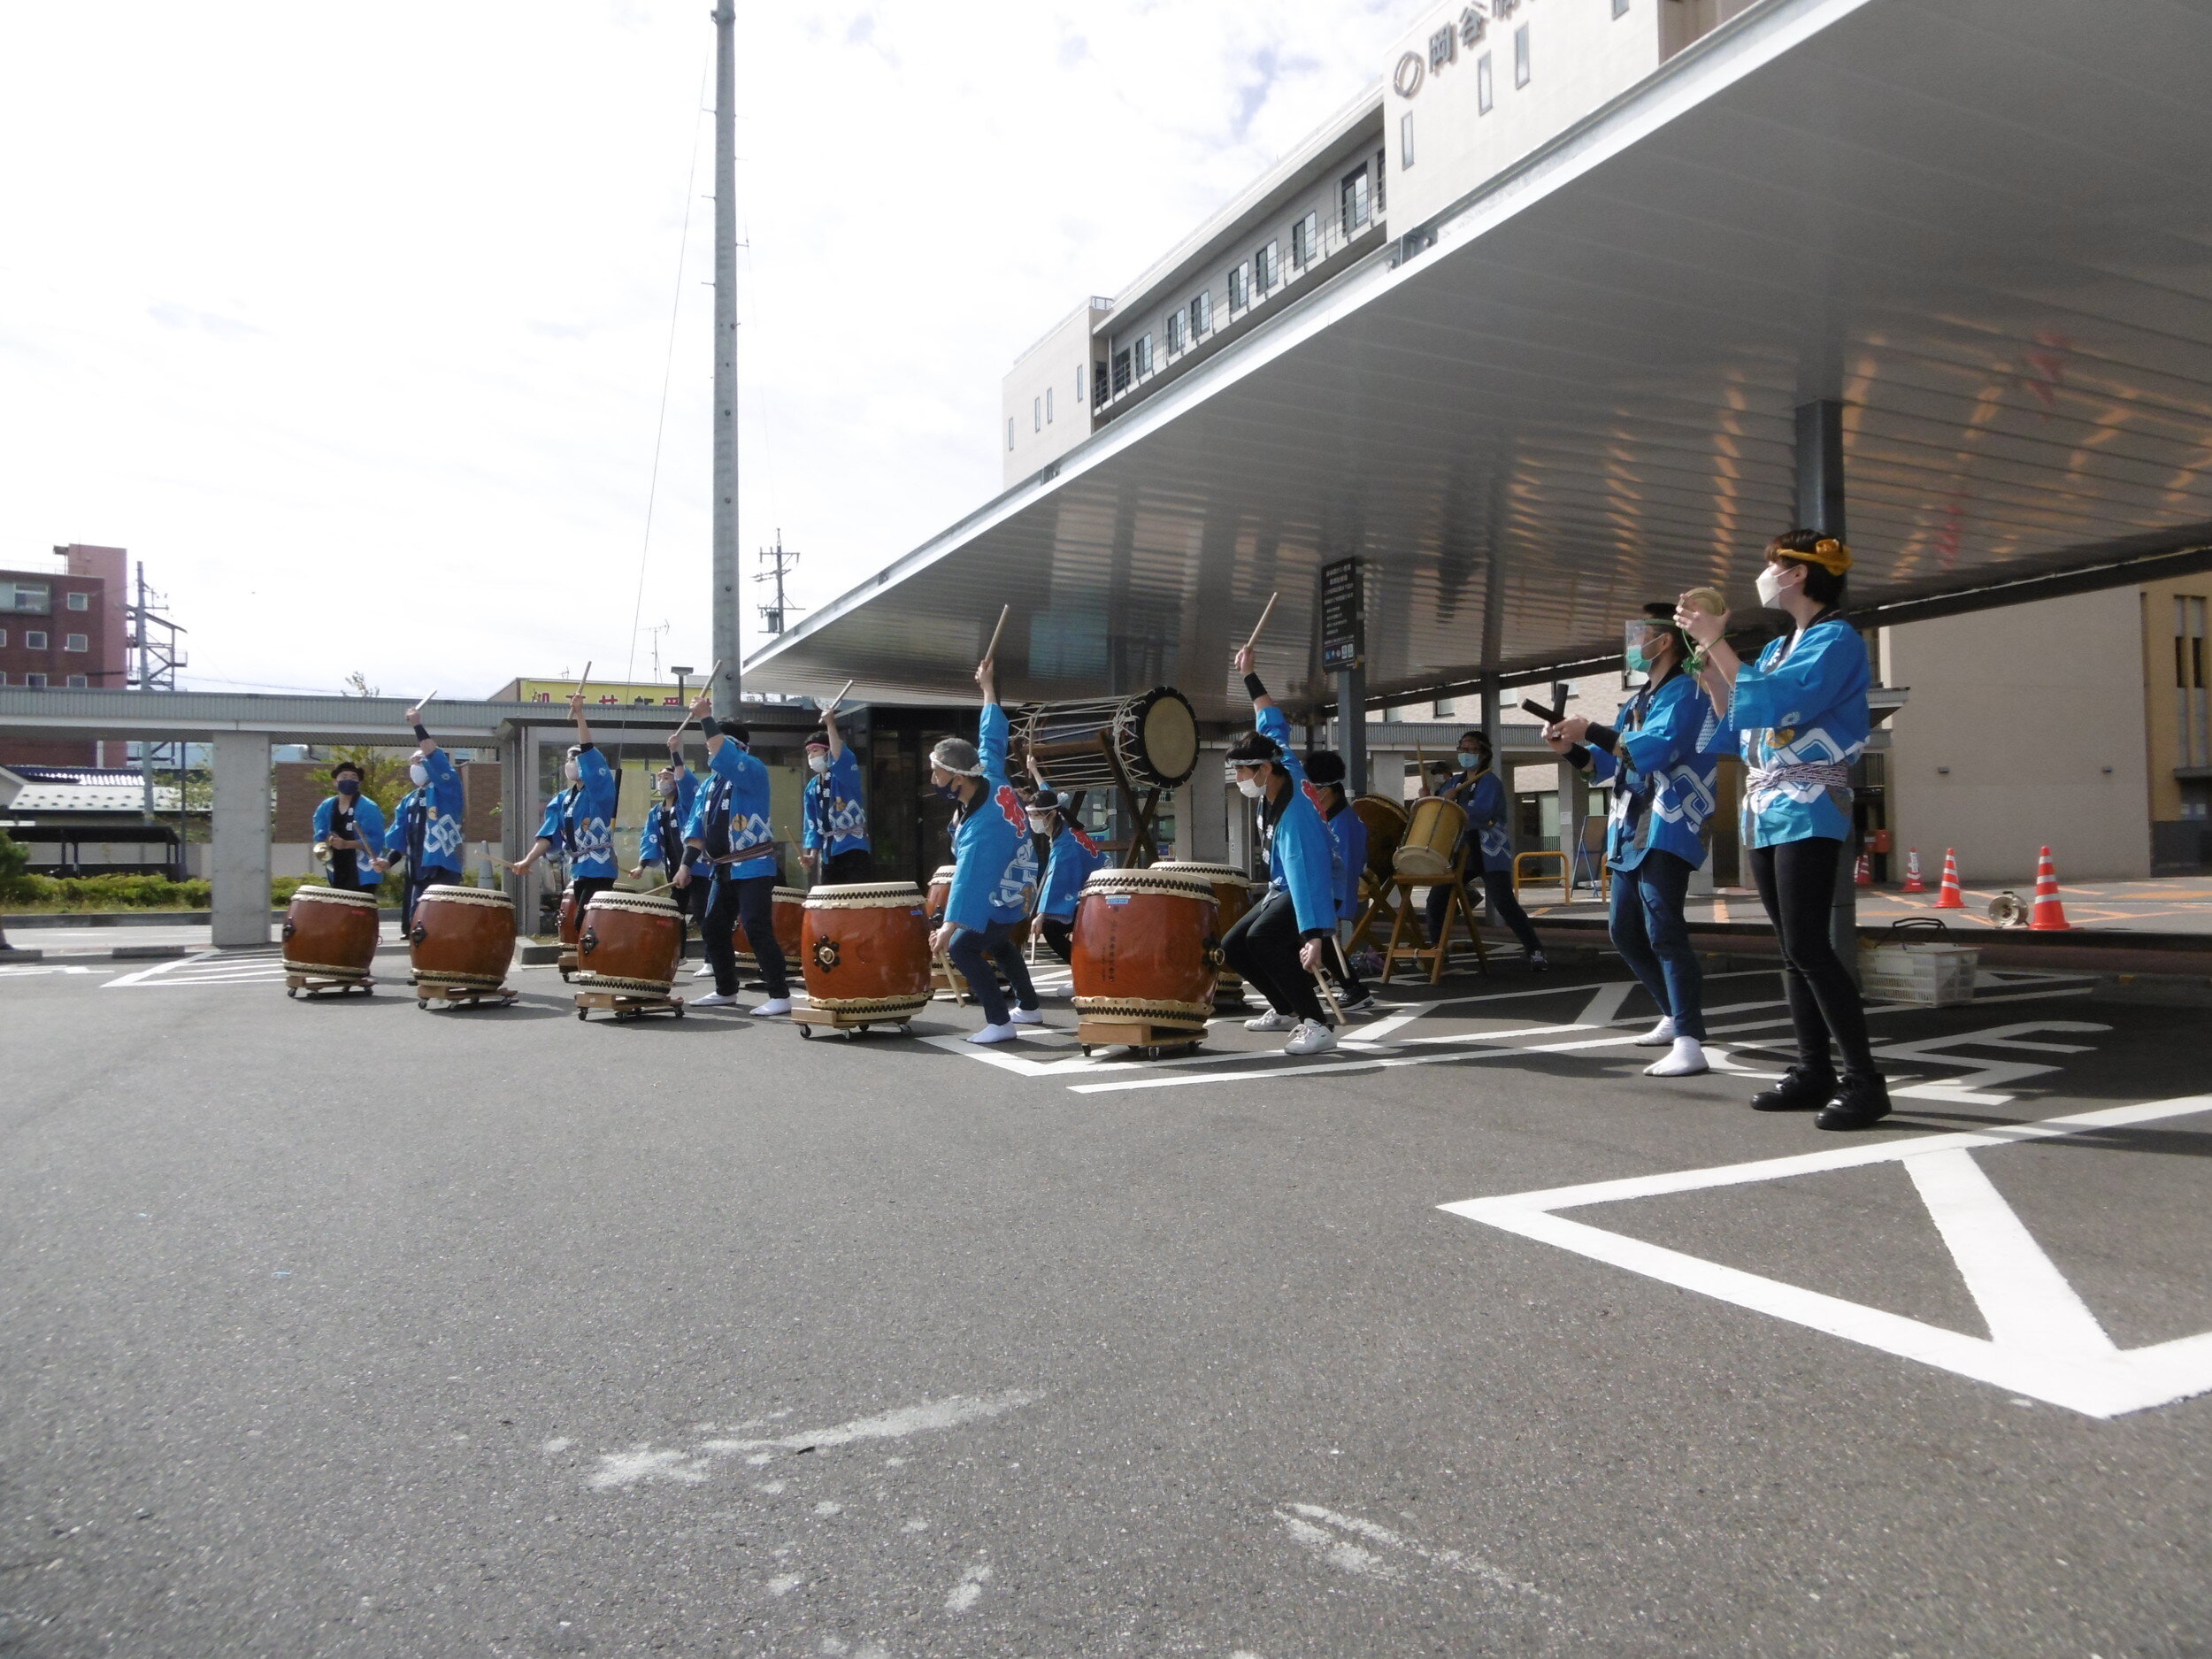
(1230, 870)
(1139, 711)
(1175, 883)
(855, 895)
(640, 903)
(466, 896)
(338, 895)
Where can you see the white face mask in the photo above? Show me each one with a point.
(1770, 587)
(421, 773)
(1040, 825)
(819, 762)
(668, 786)
(1248, 787)
(569, 770)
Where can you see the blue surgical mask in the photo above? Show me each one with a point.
(1468, 760)
(950, 791)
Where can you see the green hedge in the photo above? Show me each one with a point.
(104, 893)
(392, 891)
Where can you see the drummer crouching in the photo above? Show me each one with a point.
(1278, 945)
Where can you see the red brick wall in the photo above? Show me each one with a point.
(298, 793)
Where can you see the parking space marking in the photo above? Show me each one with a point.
(2043, 1341)
(207, 967)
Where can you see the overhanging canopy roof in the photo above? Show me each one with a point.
(1984, 225)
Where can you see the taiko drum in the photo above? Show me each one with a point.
(572, 921)
(630, 943)
(940, 895)
(330, 933)
(1386, 822)
(1146, 947)
(462, 936)
(864, 949)
(1432, 832)
(1232, 891)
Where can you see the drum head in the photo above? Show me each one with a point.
(1166, 731)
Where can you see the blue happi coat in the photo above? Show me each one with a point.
(1074, 856)
(1349, 833)
(1802, 713)
(368, 829)
(671, 818)
(425, 826)
(993, 860)
(835, 818)
(1663, 792)
(729, 817)
(1301, 855)
(580, 820)
(1489, 817)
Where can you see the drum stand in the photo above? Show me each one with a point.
(851, 1023)
(1150, 1038)
(1458, 906)
(314, 983)
(627, 1004)
(429, 991)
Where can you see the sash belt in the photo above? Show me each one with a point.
(1822, 774)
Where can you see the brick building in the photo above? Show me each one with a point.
(66, 623)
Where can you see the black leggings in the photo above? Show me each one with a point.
(1797, 884)
(1263, 948)
(1499, 885)
(753, 903)
(858, 865)
(1059, 937)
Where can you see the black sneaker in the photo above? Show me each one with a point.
(1860, 1102)
(1799, 1091)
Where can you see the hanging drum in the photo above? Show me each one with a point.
(1152, 740)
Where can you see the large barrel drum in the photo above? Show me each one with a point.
(1146, 949)
(1386, 822)
(630, 943)
(462, 936)
(330, 933)
(1233, 893)
(1433, 831)
(864, 949)
(790, 908)
(1151, 739)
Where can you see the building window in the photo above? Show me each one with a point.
(1620, 8)
(80, 602)
(1098, 381)
(1036, 414)
(1482, 85)
(1520, 56)
(34, 639)
(1078, 385)
(1141, 355)
(2190, 695)
(1358, 203)
(1079, 392)
(29, 599)
(1202, 315)
(1382, 158)
(1305, 237)
(1009, 434)
(1240, 288)
(1267, 268)
(75, 643)
(1121, 371)
(1405, 139)
(36, 682)
(1174, 332)
(3, 639)
(78, 679)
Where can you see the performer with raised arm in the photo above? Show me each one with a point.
(349, 831)
(1659, 756)
(1279, 944)
(1325, 782)
(834, 838)
(1073, 858)
(660, 844)
(1802, 713)
(580, 820)
(993, 865)
(1476, 787)
(729, 827)
(426, 828)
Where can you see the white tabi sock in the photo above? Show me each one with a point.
(1686, 1058)
(1660, 1036)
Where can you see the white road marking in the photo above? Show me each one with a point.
(619, 1469)
(2041, 1345)
(1323, 1532)
(207, 967)
(33, 968)
(965, 1593)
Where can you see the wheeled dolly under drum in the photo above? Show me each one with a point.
(1150, 1038)
(851, 1024)
(623, 1005)
(429, 991)
(316, 984)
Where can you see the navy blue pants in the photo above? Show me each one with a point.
(751, 903)
(975, 955)
(1649, 931)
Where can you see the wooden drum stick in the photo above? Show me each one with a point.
(991, 650)
(1266, 611)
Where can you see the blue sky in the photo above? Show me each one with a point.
(354, 324)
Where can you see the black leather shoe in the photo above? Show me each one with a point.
(1799, 1091)
(1859, 1104)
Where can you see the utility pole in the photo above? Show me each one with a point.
(728, 683)
(780, 560)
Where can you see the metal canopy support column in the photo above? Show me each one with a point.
(239, 834)
(726, 684)
(1351, 719)
(1820, 503)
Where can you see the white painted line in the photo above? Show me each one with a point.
(2041, 1345)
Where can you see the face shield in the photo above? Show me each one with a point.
(1644, 640)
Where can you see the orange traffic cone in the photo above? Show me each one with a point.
(2050, 915)
(1913, 883)
(1949, 897)
(1864, 876)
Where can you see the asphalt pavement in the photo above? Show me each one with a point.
(351, 1328)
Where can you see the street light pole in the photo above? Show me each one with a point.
(726, 684)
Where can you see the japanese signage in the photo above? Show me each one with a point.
(1470, 31)
(1343, 620)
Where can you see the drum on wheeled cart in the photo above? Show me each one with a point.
(790, 910)
(462, 943)
(864, 951)
(1146, 958)
(1234, 893)
(627, 950)
(329, 941)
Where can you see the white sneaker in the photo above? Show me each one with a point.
(1686, 1058)
(704, 970)
(994, 1034)
(1311, 1036)
(774, 1005)
(1026, 1016)
(713, 999)
(1270, 1021)
(1659, 1036)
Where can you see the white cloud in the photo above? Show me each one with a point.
(353, 324)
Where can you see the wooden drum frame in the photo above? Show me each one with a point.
(1387, 822)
